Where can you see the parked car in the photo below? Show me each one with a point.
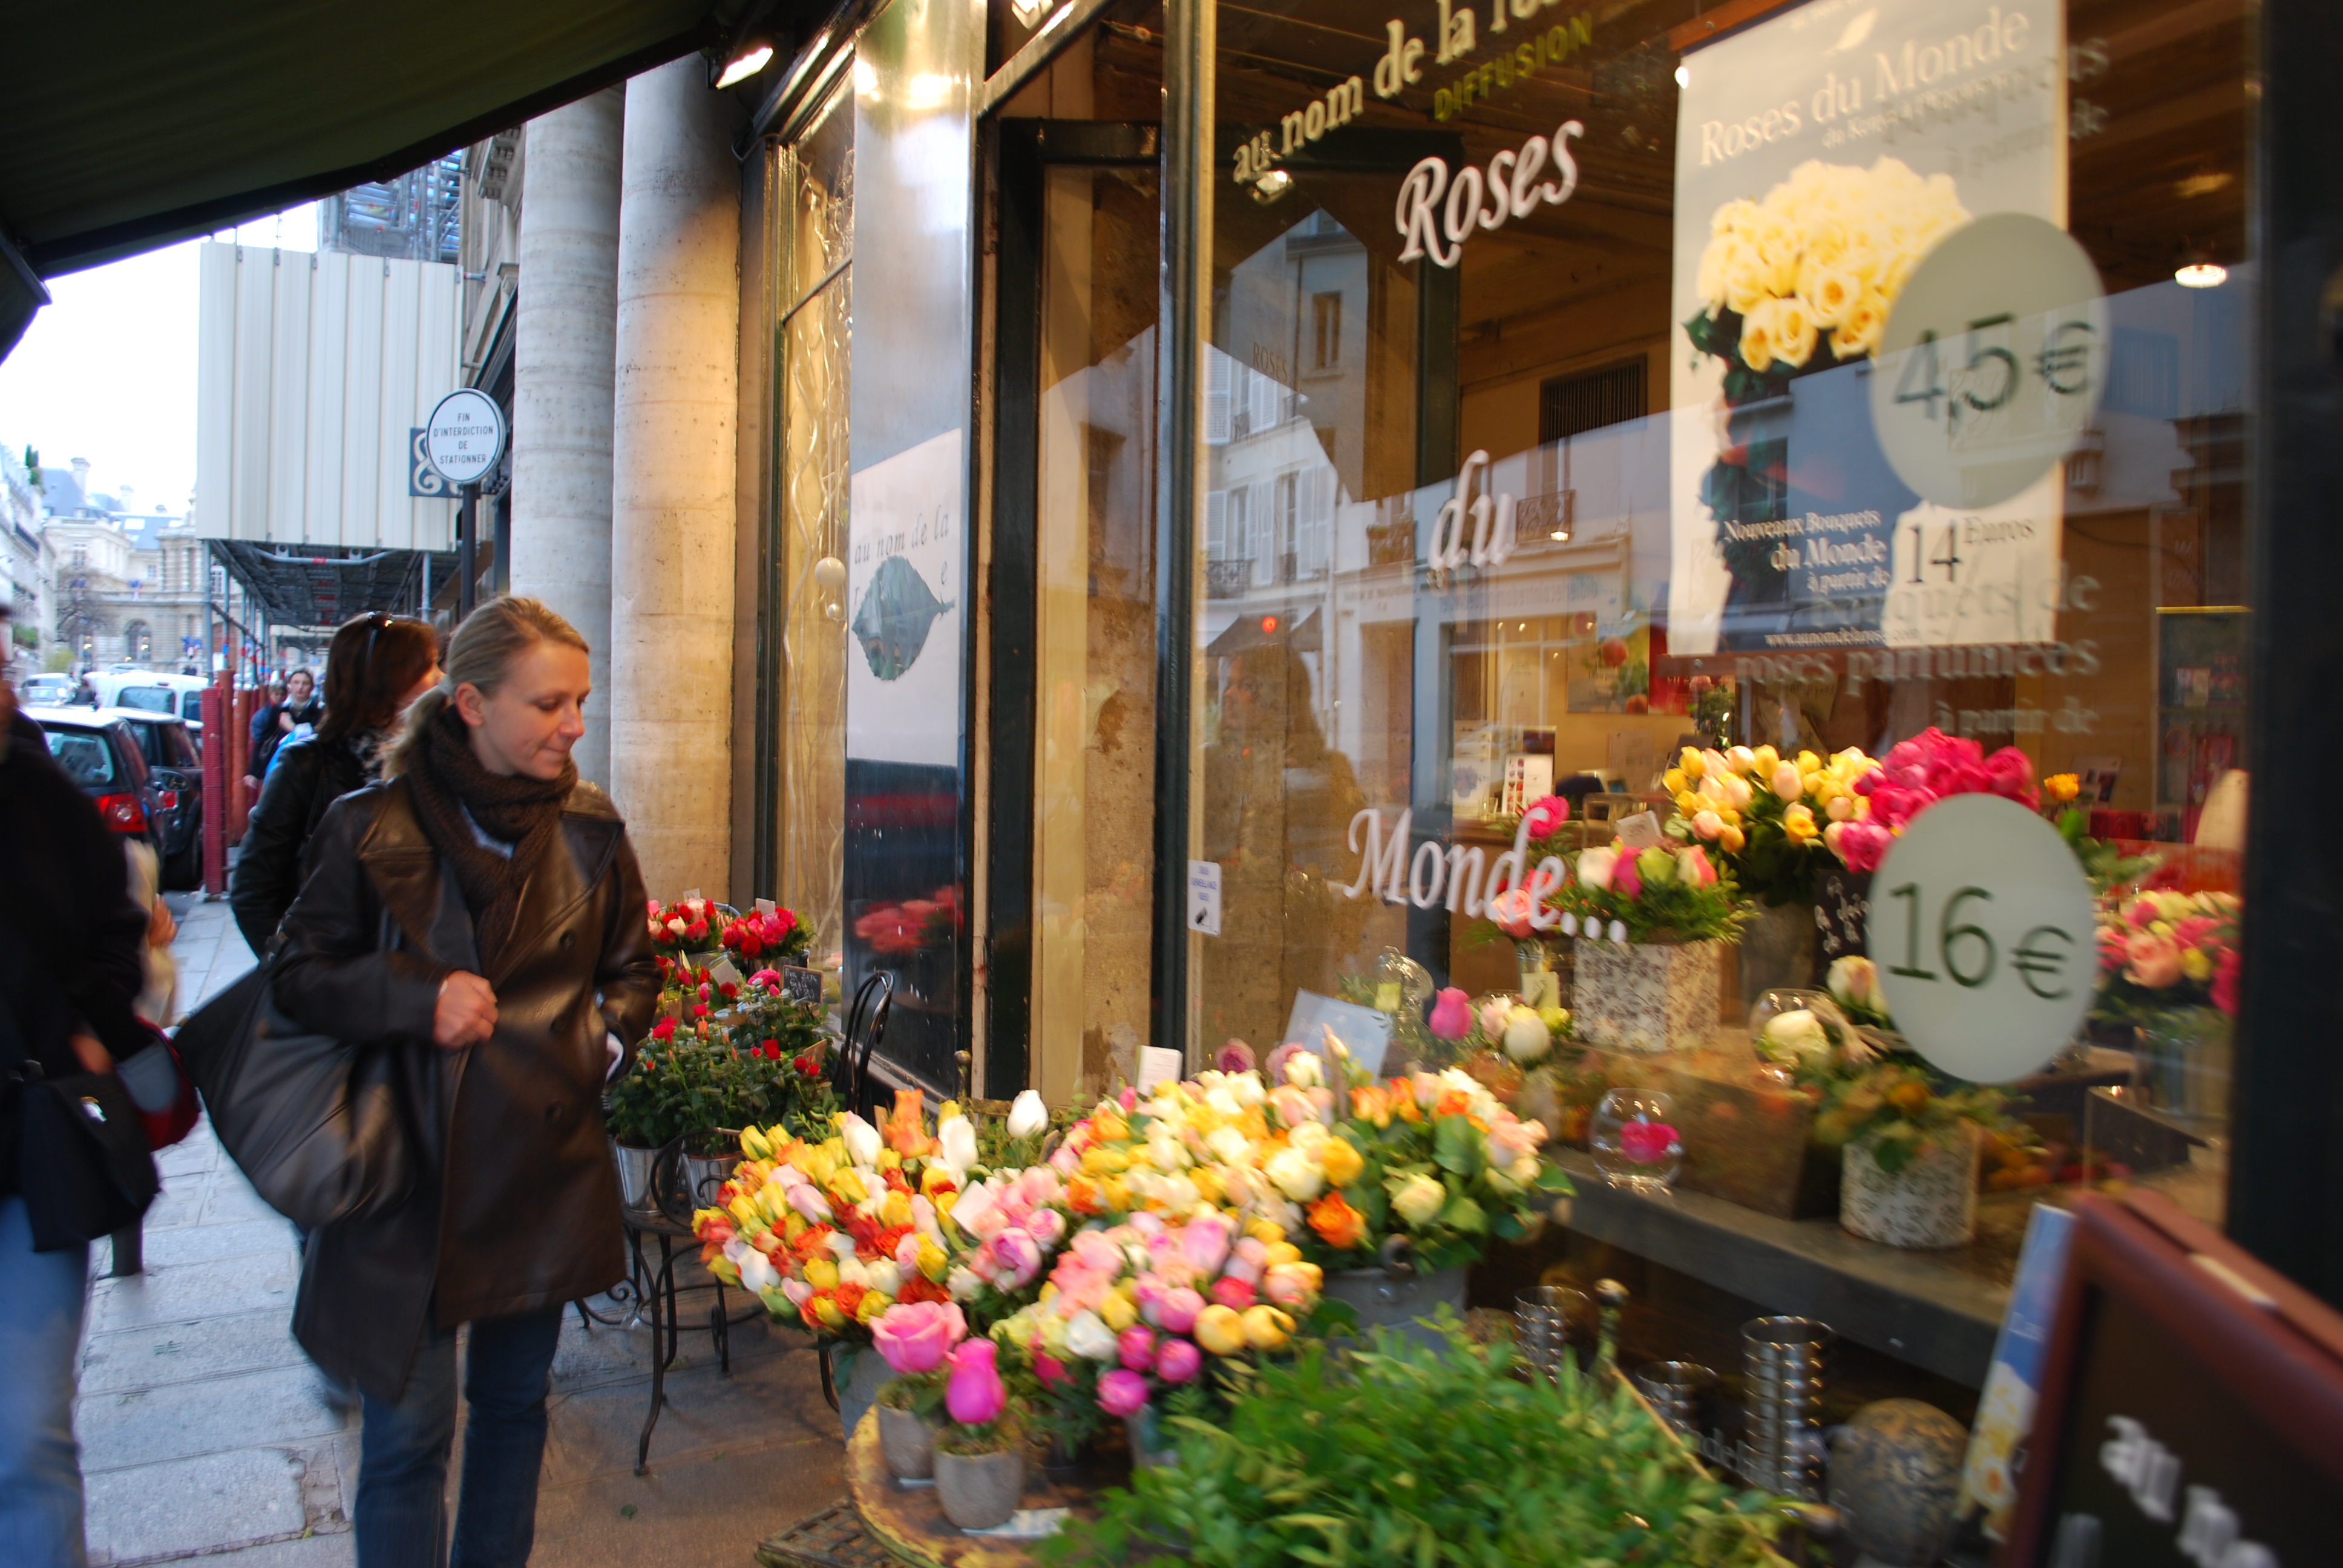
(99, 750)
(46, 690)
(179, 695)
(174, 811)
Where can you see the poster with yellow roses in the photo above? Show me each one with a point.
(1820, 155)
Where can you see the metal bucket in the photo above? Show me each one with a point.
(634, 1172)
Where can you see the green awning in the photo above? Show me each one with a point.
(130, 126)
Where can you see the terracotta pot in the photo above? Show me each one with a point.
(980, 1490)
(1930, 1202)
(907, 1444)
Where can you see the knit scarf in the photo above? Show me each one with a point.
(449, 782)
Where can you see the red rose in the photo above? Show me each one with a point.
(772, 1048)
(808, 1066)
(700, 1010)
(663, 1030)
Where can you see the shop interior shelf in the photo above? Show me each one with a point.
(1939, 1310)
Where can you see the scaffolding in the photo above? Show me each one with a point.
(412, 217)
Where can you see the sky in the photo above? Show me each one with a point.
(107, 369)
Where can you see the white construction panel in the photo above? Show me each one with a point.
(288, 392)
(329, 362)
(311, 370)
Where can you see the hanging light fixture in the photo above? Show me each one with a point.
(744, 66)
(2201, 275)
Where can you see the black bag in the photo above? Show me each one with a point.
(321, 1127)
(83, 1166)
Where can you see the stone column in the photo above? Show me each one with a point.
(563, 358)
(672, 449)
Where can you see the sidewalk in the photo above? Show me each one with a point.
(206, 1432)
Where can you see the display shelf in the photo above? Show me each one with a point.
(1939, 1310)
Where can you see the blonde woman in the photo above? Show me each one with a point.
(481, 912)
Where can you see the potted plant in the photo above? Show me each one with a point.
(1402, 1453)
(2168, 965)
(1911, 1147)
(979, 1454)
(1767, 819)
(1652, 926)
(915, 1339)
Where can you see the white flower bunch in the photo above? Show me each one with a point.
(1827, 251)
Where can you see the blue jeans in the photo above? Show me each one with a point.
(41, 1298)
(402, 1502)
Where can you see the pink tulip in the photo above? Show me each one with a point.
(974, 1395)
(1135, 1347)
(1019, 1258)
(1863, 845)
(1178, 1361)
(1177, 1314)
(1122, 1393)
(2154, 961)
(1247, 1259)
(1626, 879)
(1046, 1226)
(916, 1337)
(1693, 868)
(1511, 913)
(1231, 1291)
(1235, 1056)
(1452, 1015)
(1205, 1241)
(1048, 1368)
(808, 1200)
(1544, 815)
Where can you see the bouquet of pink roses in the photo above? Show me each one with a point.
(2163, 950)
(1918, 773)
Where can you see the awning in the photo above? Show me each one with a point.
(127, 127)
(325, 585)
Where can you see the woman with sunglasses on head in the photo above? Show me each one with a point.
(375, 668)
(481, 916)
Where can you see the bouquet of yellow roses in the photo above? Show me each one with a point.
(1775, 821)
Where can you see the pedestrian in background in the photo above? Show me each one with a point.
(376, 666)
(71, 945)
(481, 912)
(263, 737)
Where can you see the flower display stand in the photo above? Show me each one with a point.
(907, 1520)
(1648, 997)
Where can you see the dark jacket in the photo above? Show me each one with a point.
(518, 1206)
(72, 940)
(310, 776)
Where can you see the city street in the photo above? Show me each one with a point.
(206, 1432)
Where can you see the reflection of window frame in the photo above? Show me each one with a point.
(1326, 329)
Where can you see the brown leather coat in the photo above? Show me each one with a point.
(517, 1207)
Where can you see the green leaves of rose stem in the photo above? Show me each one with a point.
(689, 1084)
(1439, 1460)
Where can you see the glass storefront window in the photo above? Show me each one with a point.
(816, 221)
(1586, 384)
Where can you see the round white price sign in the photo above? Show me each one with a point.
(466, 437)
(1981, 924)
(1992, 361)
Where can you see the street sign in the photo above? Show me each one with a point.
(465, 437)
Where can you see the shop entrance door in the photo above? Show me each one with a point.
(1073, 579)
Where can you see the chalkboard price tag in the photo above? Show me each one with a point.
(801, 985)
(1981, 924)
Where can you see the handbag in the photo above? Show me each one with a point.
(83, 1166)
(321, 1127)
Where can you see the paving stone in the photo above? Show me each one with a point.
(188, 1291)
(184, 1353)
(233, 1199)
(231, 1239)
(687, 1515)
(186, 1506)
(337, 1549)
(172, 1421)
(195, 1154)
(181, 1202)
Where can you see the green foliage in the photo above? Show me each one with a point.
(1670, 911)
(690, 1083)
(1403, 1455)
(1904, 1108)
(920, 1393)
(2108, 867)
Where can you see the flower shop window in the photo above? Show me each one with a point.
(1751, 439)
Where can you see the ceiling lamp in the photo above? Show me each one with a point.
(745, 65)
(2201, 275)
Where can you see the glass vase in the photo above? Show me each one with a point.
(1633, 1139)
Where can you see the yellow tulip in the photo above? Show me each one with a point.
(753, 1144)
(1673, 780)
(1688, 759)
(1689, 803)
(1115, 1193)
(821, 1274)
(793, 1225)
(1281, 1253)
(1808, 762)
(934, 1262)
(1266, 1328)
(871, 1305)
(1221, 1330)
(1117, 1313)
(1342, 1162)
(1731, 838)
(825, 1307)
(895, 1209)
(1266, 1230)
(1207, 1183)
(890, 1160)
(1765, 760)
(1798, 822)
